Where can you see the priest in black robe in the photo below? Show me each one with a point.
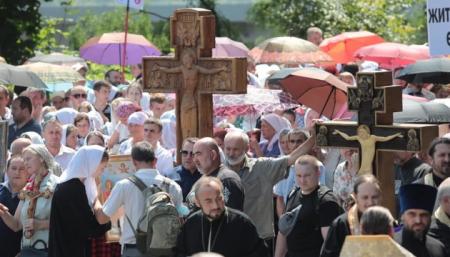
(72, 220)
(367, 193)
(416, 204)
(216, 228)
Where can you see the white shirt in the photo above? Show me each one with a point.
(164, 163)
(64, 156)
(128, 195)
(125, 146)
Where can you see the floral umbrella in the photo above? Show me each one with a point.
(290, 51)
(257, 100)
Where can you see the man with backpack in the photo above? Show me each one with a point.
(150, 201)
(303, 235)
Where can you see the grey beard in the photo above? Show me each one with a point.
(235, 161)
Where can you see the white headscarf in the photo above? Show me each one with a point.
(50, 162)
(66, 115)
(278, 123)
(83, 165)
(34, 137)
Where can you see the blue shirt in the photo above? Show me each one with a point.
(14, 132)
(9, 239)
(275, 152)
(185, 179)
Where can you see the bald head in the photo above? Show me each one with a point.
(18, 145)
(206, 155)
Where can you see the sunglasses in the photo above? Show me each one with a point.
(77, 96)
(186, 153)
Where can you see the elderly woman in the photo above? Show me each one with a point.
(33, 212)
(118, 129)
(271, 127)
(72, 219)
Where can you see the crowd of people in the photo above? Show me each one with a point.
(268, 191)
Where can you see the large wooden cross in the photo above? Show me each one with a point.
(375, 100)
(192, 74)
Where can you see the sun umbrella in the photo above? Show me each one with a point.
(343, 46)
(108, 49)
(256, 101)
(226, 47)
(318, 90)
(10, 74)
(427, 71)
(281, 74)
(288, 50)
(56, 77)
(56, 58)
(417, 112)
(393, 55)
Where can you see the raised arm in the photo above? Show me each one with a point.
(344, 135)
(302, 149)
(388, 138)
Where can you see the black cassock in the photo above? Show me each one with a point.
(72, 221)
(337, 232)
(232, 235)
(428, 247)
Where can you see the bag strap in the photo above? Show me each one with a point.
(166, 185)
(138, 182)
(131, 225)
(39, 241)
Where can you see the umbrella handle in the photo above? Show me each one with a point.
(325, 105)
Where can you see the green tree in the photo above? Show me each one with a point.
(395, 20)
(90, 25)
(19, 26)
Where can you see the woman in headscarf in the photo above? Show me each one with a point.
(34, 137)
(271, 126)
(69, 136)
(72, 219)
(33, 212)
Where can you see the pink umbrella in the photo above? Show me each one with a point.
(393, 55)
(226, 47)
(108, 49)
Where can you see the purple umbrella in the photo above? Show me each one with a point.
(108, 49)
(226, 47)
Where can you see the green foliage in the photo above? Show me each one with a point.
(394, 20)
(90, 25)
(19, 26)
(224, 28)
(49, 34)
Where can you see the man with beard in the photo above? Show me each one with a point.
(440, 226)
(416, 206)
(439, 152)
(367, 193)
(207, 160)
(216, 228)
(258, 176)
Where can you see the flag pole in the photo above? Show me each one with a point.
(124, 54)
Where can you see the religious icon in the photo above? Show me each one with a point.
(189, 106)
(367, 142)
(413, 142)
(321, 138)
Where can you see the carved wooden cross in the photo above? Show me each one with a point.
(192, 75)
(375, 100)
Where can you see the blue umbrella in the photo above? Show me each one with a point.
(427, 71)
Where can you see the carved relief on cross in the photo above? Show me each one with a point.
(375, 100)
(192, 74)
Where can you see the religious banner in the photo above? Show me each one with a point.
(135, 4)
(374, 134)
(438, 19)
(192, 74)
(3, 148)
(118, 168)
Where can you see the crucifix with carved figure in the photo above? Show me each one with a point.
(192, 74)
(375, 100)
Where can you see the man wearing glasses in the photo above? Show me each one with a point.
(187, 174)
(152, 134)
(78, 94)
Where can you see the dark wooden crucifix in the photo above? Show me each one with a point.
(193, 74)
(375, 100)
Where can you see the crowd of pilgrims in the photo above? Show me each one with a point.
(59, 145)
